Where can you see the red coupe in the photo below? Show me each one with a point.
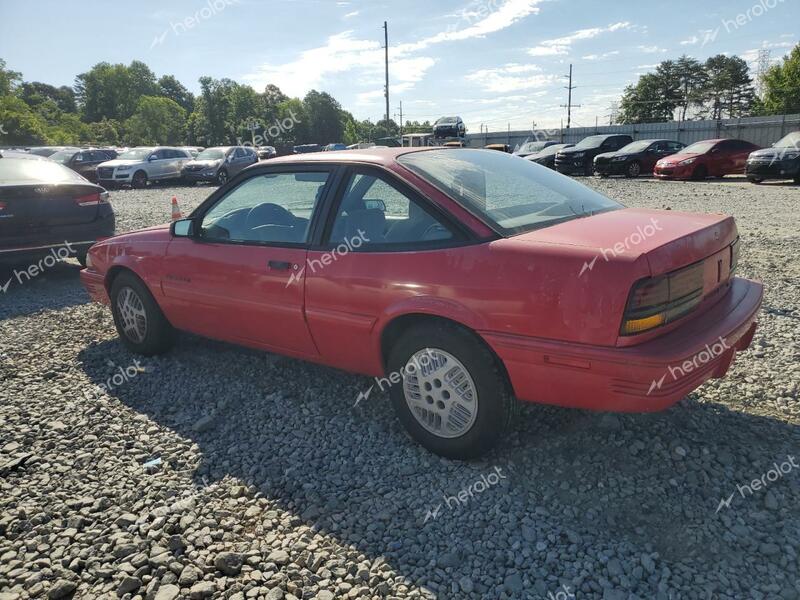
(461, 280)
(715, 158)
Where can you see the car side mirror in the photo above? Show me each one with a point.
(152, 157)
(182, 228)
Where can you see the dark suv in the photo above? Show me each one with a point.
(580, 158)
(84, 161)
(449, 127)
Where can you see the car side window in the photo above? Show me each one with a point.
(240, 153)
(381, 215)
(266, 208)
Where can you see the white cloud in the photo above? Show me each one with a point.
(349, 15)
(511, 77)
(651, 49)
(690, 41)
(600, 56)
(562, 45)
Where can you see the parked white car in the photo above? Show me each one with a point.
(139, 165)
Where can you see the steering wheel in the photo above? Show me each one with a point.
(268, 213)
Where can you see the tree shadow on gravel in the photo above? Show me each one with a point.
(564, 480)
(54, 288)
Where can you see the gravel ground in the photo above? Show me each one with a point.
(215, 471)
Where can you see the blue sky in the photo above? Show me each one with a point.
(493, 62)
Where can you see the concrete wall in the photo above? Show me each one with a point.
(763, 131)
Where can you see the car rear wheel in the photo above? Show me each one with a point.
(634, 169)
(453, 396)
(140, 323)
(222, 177)
(139, 180)
(755, 180)
(588, 168)
(700, 172)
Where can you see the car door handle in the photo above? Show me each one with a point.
(280, 265)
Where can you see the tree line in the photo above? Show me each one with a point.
(127, 105)
(719, 88)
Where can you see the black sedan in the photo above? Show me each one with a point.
(637, 158)
(48, 209)
(529, 148)
(580, 158)
(84, 161)
(547, 156)
(781, 161)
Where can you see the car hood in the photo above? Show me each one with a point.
(607, 155)
(674, 159)
(569, 151)
(775, 153)
(118, 162)
(669, 239)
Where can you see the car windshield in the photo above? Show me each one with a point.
(446, 121)
(511, 195)
(789, 141)
(211, 154)
(554, 149)
(593, 141)
(136, 154)
(698, 148)
(63, 156)
(531, 147)
(27, 170)
(636, 146)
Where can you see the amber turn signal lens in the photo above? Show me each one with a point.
(637, 325)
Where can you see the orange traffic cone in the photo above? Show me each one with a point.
(176, 211)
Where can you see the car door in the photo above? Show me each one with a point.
(720, 159)
(655, 152)
(239, 161)
(241, 276)
(740, 151)
(382, 241)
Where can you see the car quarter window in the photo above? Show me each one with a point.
(240, 153)
(382, 216)
(266, 208)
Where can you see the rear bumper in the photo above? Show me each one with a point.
(95, 286)
(644, 378)
(77, 237)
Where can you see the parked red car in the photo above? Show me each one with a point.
(714, 158)
(460, 279)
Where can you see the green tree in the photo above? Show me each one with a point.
(35, 93)
(728, 90)
(782, 86)
(646, 102)
(692, 79)
(21, 125)
(113, 91)
(324, 117)
(171, 88)
(157, 120)
(8, 79)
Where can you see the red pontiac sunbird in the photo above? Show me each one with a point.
(462, 280)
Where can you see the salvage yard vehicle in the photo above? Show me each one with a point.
(461, 280)
(144, 164)
(637, 158)
(449, 127)
(580, 158)
(529, 148)
(780, 161)
(84, 161)
(218, 164)
(47, 208)
(547, 156)
(709, 158)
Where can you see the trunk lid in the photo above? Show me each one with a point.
(42, 209)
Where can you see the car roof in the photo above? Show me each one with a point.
(6, 154)
(378, 156)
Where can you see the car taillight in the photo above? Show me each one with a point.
(656, 301)
(734, 256)
(92, 199)
(3, 205)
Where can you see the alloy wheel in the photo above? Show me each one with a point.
(132, 312)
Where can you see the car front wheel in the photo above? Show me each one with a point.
(140, 323)
(449, 391)
(634, 169)
(222, 177)
(139, 180)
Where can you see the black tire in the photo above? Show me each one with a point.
(700, 172)
(496, 404)
(604, 175)
(633, 170)
(139, 180)
(81, 256)
(797, 178)
(755, 180)
(588, 168)
(222, 177)
(159, 335)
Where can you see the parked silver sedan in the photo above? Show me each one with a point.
(219, 164)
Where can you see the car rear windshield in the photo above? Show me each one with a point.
(532, 147)
(698, 148)
(27, 170)
(510, 194)
(593, 141)
(63, 156)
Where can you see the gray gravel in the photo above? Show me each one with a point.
(219, 472)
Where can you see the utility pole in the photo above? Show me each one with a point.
(401, 118)
(386, 58)
(569, 103)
